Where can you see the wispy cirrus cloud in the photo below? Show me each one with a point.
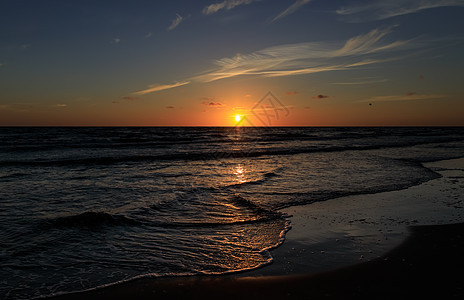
(175, 22)
(303, 58)
(368, 43)
(306, 58)
(405, 97)
(159, 87)
(226, 4)
(290, 10)
(381, 9)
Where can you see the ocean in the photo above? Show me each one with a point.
(82, 208)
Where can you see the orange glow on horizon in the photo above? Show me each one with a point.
(235, 111)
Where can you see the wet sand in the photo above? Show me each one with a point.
(341, 249)
(345, 231)
(427, 264)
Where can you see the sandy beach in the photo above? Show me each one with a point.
(405, 243)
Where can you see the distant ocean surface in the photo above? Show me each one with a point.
(86, 207)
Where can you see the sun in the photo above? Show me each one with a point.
(238, 118)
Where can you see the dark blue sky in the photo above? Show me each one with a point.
(87, 62)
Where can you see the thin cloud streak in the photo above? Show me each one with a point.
(226, 4)
(17, 107)
(128, 98)
(381, 9)
(293, 8)
(360, 82)
(176, 22)
(368, 43)
(157, 88)
(406, 97)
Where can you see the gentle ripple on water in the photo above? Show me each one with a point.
(85, 207)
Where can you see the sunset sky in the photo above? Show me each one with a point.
(201, 63)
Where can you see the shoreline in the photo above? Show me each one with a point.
(348, 230)
(424, 265)
(342, 248)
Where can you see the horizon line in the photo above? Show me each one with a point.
(219, 126)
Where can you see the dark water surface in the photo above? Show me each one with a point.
(85, 207)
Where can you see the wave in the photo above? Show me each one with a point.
(265, 177)
(304, 198)
(254, 214)
(89, 219)
(99, 219)
(244, 202)
(13, 175)
(211, 155)
(262, 219)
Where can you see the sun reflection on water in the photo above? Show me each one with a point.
(239, 173)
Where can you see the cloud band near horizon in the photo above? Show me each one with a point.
(406, 97)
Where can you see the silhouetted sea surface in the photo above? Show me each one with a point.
(86, 207)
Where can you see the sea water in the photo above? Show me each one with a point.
(86, 207)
